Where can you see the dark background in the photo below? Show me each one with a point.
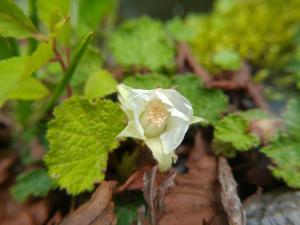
(162, 9)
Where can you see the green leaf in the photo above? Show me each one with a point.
(142, 43)
(227, 60)
(148, 81)
(7, 48)
(126, 214)
(28, 89)
(178, 30)
(233, 130)
(15, 73)
(207, 103)
(35, 183)
(286, 156)
(39, 58)
(68, 74)
(98, 12)
(99, 84)
(52, 12)
(292, 118)
(11, 71)
(81, 136)
(13, 22)
(254, 114)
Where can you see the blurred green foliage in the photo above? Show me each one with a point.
(261, 32)
(142, 43)
(34, 183)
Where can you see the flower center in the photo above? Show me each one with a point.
(154, 118)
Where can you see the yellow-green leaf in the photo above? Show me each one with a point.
(28, 89)
(99, 84)
(15, 75)
(81, 136)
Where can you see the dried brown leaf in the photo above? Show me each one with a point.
(195, 198)
(97, 211)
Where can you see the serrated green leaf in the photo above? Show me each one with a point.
(143, 43)
(227, 60)
(15, 72)
(285, 153)
(35, 183)
(81, 136)
(234, 130)
(292, 118)
(13, 22)
(207, 103)
(148, 81)
(99, 84)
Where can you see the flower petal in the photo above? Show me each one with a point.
(178, 101)
(174, 134)
(131, 131)
(164, 160)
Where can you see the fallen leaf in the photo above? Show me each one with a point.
(97, 211)
(195, 197)
(230, 200)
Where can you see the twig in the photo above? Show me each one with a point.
(255, 92)
(64, 66)
(237, 81)
(185, 55)
(58, 57)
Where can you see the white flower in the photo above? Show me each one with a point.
(159, 117)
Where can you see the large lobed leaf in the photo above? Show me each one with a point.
(285, 153)
(81, 136)
(232, 134)
(99, 84)
(285, 150)
(142, 43)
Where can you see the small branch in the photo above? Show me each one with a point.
(58, 57)
(64, 66)
(185, 53)
(256, 94)
(237, 81)
(64, 81)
